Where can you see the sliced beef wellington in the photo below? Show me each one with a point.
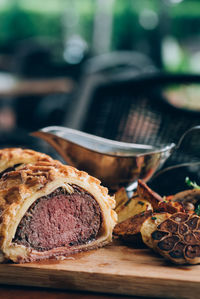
(49, 210)
(12, 158)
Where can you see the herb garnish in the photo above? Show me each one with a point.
(141, 203)
(197, 210)
(164, 199)
(195, 186)
(192, 184)
(153, 218)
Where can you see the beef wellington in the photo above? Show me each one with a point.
(12, 158)
(49, 210)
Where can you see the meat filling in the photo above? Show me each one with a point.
(60, 219)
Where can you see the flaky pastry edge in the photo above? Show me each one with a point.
(13, 156)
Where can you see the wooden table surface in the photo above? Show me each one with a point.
(113, 269)
(14, 292)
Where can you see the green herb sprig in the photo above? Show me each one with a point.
(191, 184)
(197, 210)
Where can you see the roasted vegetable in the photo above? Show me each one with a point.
(150, 225)
(126, 208)
(171, 227)
(190, 199)
(121, 198)
(178, 238)
(146, 193)
(134, 206)
(129, 230)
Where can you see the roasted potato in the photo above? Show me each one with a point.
(170, 207)
(129, 230)
(146, 193)
(132, 207)
(121, 198)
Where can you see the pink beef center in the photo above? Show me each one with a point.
(60, 219)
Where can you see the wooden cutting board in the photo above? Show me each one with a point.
(113, 269)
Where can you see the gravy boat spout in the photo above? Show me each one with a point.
(114, 163)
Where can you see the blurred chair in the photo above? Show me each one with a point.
(121, 98)
(102, 69)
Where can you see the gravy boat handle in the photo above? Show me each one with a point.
(185, 134)
(130, 189)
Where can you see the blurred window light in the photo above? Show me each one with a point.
(148, 19)
(47, 6)
(3, 3)
(175, 1)
(103, 23)
(72, 18)
(7, 82)
(171, 53)
(195, 62)
(74, 50)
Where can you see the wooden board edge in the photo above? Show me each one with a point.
(99, 282)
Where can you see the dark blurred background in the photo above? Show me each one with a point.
(126, 70)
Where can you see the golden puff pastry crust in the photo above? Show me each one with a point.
(10, 157)
(21, 188)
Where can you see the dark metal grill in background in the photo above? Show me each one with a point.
(136, 113)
